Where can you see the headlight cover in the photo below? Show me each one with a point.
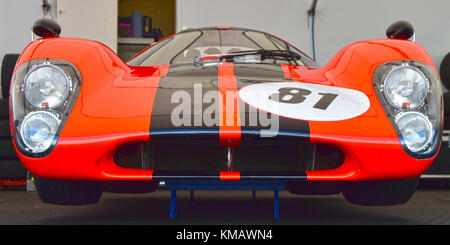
(46, 86)
(411, 96)
(405, 87)
(43, 93)
(38, 130)
(416, 130)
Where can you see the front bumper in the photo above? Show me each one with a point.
(92, 158)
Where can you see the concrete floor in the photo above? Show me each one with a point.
(232, 207)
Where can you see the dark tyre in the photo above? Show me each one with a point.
(68, 192)
(447, 110)
(314, 188)
(444, 71)
(8, 64)
(433, 184)
(131, 186)
(12, 169)
(7, 150)
(4, 110)
(4, 130)
(381, 192)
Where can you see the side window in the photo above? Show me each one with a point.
(165, 51)
(261, 40)
(280, 44)
(139, 59)
(304, 58)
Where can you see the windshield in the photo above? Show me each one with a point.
(185, 47)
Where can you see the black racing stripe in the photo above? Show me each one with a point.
(247, 74)
(180, 82)
(184, 77)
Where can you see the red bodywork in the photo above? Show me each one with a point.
(116, 100)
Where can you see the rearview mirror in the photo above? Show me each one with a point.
(46, 28)
(400, 30)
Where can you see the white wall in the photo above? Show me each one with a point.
(283, 18)
(16, 19)
(96, 20)
(338, 23)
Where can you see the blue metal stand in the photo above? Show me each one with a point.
(224, 185)
(173, 205)
(276, 205)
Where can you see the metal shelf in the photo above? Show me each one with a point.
(135, 40)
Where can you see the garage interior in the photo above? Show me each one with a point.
(319, 33)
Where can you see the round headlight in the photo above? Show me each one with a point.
(416, 129)
(46, 86)
(405, 87)
(38, 130)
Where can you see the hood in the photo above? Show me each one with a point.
(247, 98)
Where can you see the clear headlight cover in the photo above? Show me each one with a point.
(405, 87)
(38, 130)
(46, 86)
(411, 95)
(416, 130)
(41, 101)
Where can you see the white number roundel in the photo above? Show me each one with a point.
(305, 101)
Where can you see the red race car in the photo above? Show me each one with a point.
(226, 105)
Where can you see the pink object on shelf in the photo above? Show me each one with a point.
(127, 26)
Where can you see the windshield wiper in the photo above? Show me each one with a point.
(264, 54)
(285, 54)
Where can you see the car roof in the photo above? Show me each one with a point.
(219, 28)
